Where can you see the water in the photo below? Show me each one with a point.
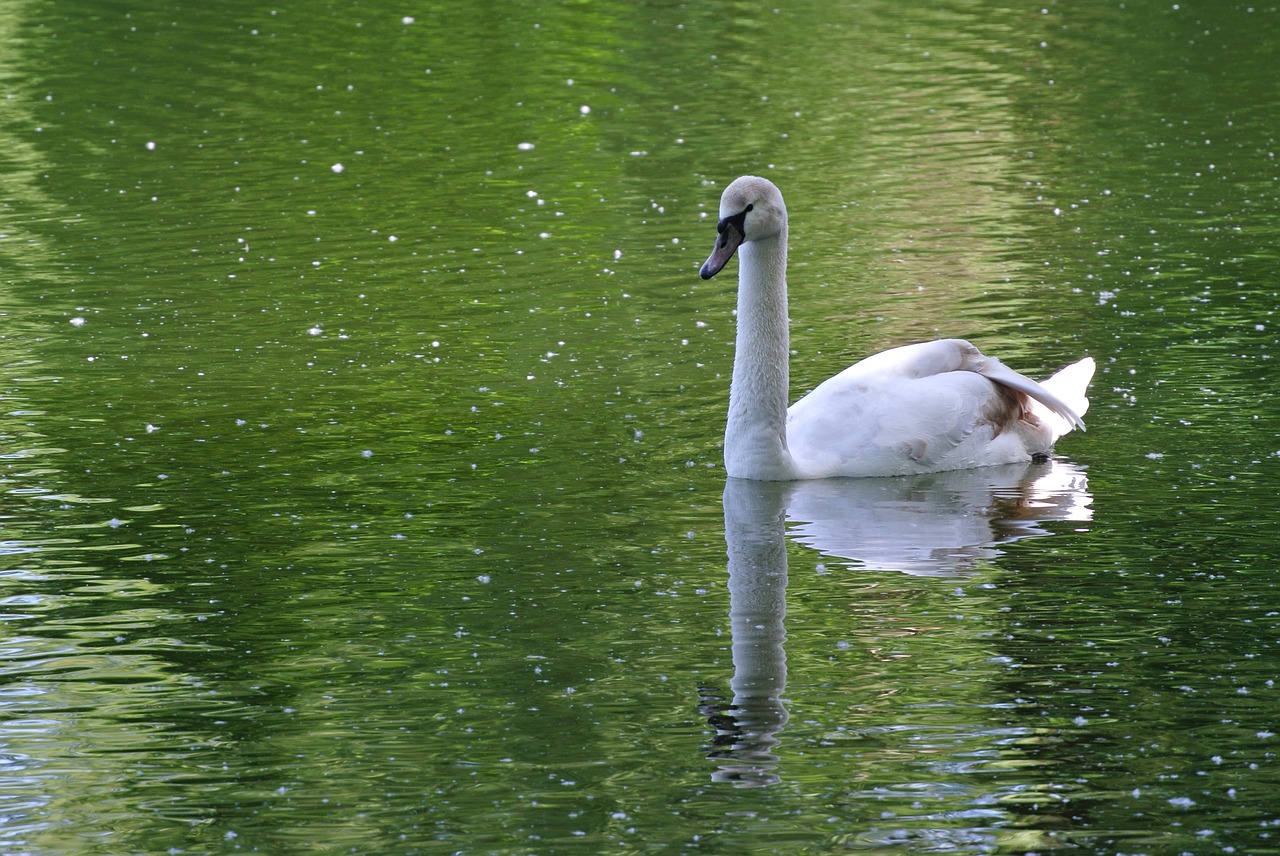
(362, 486)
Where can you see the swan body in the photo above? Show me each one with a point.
(921, 408)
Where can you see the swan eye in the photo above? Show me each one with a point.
(750, 206)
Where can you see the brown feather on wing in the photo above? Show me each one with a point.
(1006, 408)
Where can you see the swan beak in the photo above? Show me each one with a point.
(731, 237)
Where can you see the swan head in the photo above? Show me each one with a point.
(751, 209)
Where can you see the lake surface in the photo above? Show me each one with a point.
(362, 412)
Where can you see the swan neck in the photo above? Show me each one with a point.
(756, 433)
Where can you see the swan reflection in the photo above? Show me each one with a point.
(937, 524)
(940, 524)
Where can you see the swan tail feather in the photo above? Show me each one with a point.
(1071, 385)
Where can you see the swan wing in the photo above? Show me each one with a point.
(956, 355)
(864, 423)
(939, 404)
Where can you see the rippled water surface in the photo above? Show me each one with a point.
(362, 409)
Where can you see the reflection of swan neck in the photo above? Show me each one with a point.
(756, 431)
(757, 618)
(754, 534)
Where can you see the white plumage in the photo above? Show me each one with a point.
(922, 408)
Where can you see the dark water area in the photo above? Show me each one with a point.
(360, 441)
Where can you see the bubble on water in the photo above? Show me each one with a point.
(315, 331)
(337, 167)
(78, 321)
(525, 147)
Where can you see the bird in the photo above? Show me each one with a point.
(920, 408)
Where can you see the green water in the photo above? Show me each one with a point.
(359, 441)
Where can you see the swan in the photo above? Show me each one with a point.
(928, 407)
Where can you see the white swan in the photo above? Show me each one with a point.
(920, 408)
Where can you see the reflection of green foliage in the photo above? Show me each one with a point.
(380, 507)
